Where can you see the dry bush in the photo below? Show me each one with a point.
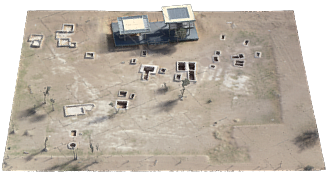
(307, 139)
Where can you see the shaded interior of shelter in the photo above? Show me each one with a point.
(159, 34)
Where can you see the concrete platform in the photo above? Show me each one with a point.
(159, 34)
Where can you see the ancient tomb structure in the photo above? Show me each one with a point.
(73, 133)
(132, 96)
(89, 55)
(121, 104)
(143, 53)
(246, 42)
(215, 58)
(238, 56)
(188, 67)
(217, 52)
(36, 40)
(78, 109)
(133, 61)
(239, 63)
(223, 37)
(258, 54)
(177, 77)
(63, 36)
(147, 70)
(162, 70)
(212, 66)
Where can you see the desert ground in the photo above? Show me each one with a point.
(231, 118)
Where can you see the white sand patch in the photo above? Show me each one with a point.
(235, 83)
(61, 60)
(62, 70)
(218, 73)
(91, 90)
(75, 86)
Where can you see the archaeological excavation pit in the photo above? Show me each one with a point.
(246, 42)
(177, 77)
(121, 104)
(234, 56)
(133, 61)
(241, 55)
(132, 96)
(122, 93)
(212, 66)
(162, 70)
(215, 58)
(89, 55)
(258, 54)
(217, 52)
(181, 66)
(73, 45)
(239, 63)
(36, 44)
(73, 133)
(191, 76)
(192, 66)
(71, 145)
(222, 37)
(145, 76)
(143, 53)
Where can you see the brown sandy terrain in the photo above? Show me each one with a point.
(254, 116)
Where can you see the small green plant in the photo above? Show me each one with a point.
(46, 93)
(52, 104)
(308, 168)
(185, 82)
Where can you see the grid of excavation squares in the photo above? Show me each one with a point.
(62, 36)
(185, 66)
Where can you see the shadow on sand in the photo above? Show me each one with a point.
(168, 105)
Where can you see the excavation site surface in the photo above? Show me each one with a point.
(83, 104)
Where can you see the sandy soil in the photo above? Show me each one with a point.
(230, 119)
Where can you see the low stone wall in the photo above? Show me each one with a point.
(78, 109)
